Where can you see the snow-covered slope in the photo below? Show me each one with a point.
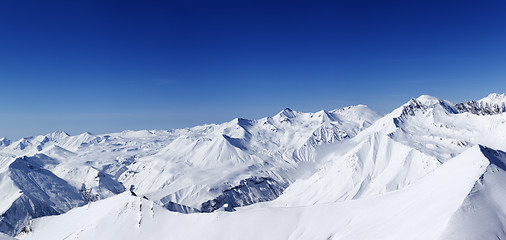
(5, 237)
(36, 192)
(204, 168)
(395, 151)
(482, 215)
(204, 162)
(374, 166)
(430, 169)
(492, 104)
(420, 211)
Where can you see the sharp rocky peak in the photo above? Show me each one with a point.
(287, 112)
(490, 105)
(494, 98)
(57, 134)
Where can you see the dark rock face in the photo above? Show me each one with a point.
(413, 106)
(480, 108)
(249, 191)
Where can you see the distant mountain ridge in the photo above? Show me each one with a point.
(342, 160)
(100, 166)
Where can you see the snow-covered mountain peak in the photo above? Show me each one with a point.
(424, 104)
(288, 113)
(490, 105)
(410, 108)
(353, 110)
(426, 154)
(57, 134)
(243, 122)
(438, 128)
(4, 142)
(428, 100)
(356, 113)
(494, 98)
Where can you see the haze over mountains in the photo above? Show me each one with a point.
(430, 169)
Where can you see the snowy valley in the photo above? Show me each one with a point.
(430, 169)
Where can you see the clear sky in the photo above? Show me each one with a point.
(107, 66)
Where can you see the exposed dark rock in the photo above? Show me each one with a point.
(249, 191)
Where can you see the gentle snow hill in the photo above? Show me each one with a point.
(419, 211)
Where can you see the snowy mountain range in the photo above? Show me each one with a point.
(430, 169)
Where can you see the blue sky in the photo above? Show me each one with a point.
(106, 66)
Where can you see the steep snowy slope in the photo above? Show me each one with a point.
(8, 189)
(396, 151)
(483, 213)
(437, 128)
(420, 211)
(36, 192)
(374, 166)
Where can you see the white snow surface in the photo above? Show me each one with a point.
(494, 98)
(8, 190)
(6, 237)
(430, 169)
(184, 168)
(402, 214)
